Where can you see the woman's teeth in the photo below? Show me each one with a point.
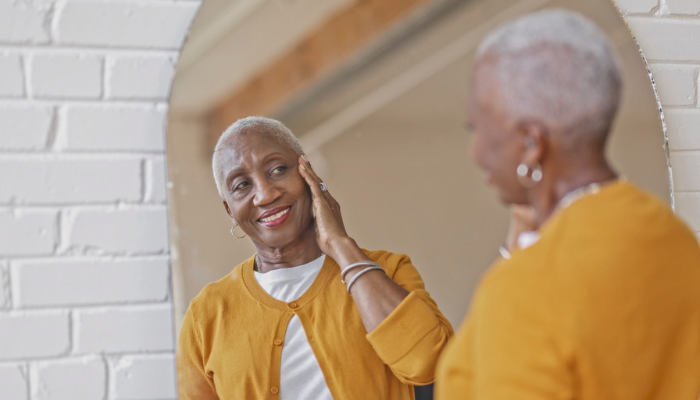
(275, 216)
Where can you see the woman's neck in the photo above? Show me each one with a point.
(302, 250)
(547, 196)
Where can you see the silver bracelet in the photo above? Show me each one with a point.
(355, 265)
(504, 252)
(364, 271)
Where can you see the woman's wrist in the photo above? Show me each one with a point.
(345, 251)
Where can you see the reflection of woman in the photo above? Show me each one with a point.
(606, 303)
(285, 323)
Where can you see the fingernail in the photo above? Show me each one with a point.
(302, 167)
(304, 157)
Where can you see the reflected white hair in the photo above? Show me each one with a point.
(557, 66)
(253, 125)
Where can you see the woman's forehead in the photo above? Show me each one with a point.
(250, 147)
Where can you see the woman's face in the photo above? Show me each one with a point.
(496, 146)
(263, 190)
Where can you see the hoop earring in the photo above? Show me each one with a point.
(233, 232)
(529, 177)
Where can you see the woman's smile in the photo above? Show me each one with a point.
(275, 217)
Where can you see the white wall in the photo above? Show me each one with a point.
(85, 303)
(85, 297)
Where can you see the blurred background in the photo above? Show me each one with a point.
(376, 92)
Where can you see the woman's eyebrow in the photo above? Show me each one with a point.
(276, 153)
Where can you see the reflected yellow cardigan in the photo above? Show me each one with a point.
(231, 339)
(605, 306)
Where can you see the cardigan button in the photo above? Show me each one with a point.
(292, 305)
(274, 390)
(278, 342)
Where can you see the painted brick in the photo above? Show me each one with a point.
(81, 379)
(13, 384)
(24, 127)
(666, 39)
(124, 330)
(115, 128)
(51, 283)
(11, 76)
(691, 7)
(5, 292)
(66, 75)
(637, 6)
(27, 233)
(133, 77)
(122, 231)
(157, 191)
(124, 24)
(23, 21)
(133, 378)
(675, 83)
(29, 335)
(683, 128)
(688, 208)
(685, 167)
(70, 181)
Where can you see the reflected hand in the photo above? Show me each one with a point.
(522, 219)
(330, 230)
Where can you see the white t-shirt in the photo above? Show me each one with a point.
(301, 377)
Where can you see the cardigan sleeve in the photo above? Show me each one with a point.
(411, 338)
(193, 381)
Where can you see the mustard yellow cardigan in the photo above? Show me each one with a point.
(232, 336)
(605, 306)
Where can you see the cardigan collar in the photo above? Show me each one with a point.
(329, 269)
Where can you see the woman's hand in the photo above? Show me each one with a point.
(522, 219)
(330, 230)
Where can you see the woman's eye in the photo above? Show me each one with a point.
(239, 186)
(279, 170)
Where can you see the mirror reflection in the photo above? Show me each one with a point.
(377, 97)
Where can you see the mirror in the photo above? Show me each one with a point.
(378, 104)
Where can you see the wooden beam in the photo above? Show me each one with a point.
(317, 55)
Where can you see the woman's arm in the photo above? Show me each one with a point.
(375, 294)
(404, 324)
(193, 382)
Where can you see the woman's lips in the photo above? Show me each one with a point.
(275, 220)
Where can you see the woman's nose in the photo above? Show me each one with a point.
(266, 193)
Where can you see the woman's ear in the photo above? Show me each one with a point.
(228, 209)
(535, 139)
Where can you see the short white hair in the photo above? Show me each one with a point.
(557, 66)
(273, 128)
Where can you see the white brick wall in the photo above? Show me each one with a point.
(24, 22)
(138, 77)
(24, 127)
(27, 233)
(85, 296)
(137, 24)
(13, 382)
(114, 127)
(63, 283)
(69, 181)
(135, 231)
(84, 285)
(34, 334)
(133, 377)
(11, 80)
(75, 379)
(678, 83)
(668, 36)
(124, 329)
(65, 75)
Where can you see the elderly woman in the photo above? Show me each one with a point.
(606, 303)
(311, 315)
